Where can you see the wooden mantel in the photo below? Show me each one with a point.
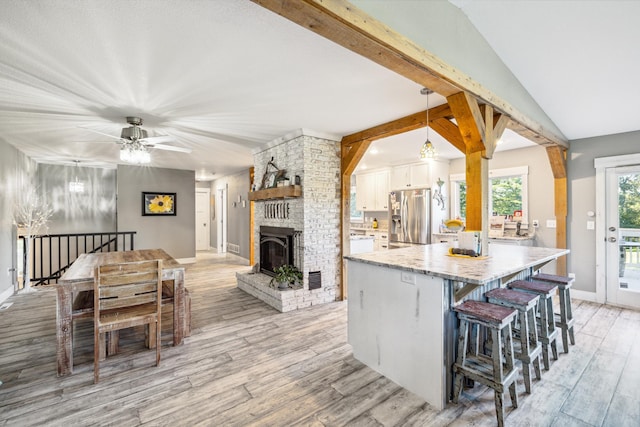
(287, 191)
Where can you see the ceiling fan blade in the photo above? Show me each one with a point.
(100, 133)
(170, 148)
(158, 139)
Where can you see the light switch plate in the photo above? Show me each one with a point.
(551, 223)
(591, 225)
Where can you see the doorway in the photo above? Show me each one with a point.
(620, 230)
(203, 210)
(221, 214)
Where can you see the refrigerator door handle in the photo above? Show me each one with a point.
(405, 217)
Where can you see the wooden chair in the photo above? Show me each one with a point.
(127, 295)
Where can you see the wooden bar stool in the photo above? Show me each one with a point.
(547, 333)
(498, 371)
(565, 317)
(530, 348)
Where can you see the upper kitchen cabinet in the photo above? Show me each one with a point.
(372, 191)
(410, 176)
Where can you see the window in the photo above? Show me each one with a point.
(508, 193)
(356, 216)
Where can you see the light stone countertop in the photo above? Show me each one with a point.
(435, 260)
(511, 237)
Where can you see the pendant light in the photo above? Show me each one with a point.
(76, 186)
(428, 151)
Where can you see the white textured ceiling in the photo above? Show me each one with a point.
(222, 76)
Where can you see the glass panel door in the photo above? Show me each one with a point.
(623, 235)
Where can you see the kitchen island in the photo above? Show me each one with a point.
(400, 317)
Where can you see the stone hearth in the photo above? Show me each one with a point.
(257, 284)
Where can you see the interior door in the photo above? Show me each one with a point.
(622, 235)
(202, 219)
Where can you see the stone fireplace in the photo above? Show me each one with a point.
(303, 231)
(276, 248)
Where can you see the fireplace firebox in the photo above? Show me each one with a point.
(276, 248)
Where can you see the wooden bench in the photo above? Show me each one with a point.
(496, 371)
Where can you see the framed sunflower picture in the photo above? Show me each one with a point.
(158, 203)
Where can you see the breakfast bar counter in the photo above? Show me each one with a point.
(400, 317)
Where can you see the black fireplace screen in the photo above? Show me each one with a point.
(276, 248)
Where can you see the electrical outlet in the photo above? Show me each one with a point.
(591, 225)
(408, 278)
(535, 223)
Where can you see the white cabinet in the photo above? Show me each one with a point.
(365, 192)
(410, 176)
(361, 245)
(420, 175)
(400, 177)
(382, 240)
(372, 191)
(382, 191)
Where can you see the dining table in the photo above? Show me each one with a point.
(75, 296)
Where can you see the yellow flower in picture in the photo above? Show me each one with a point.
(160, 204)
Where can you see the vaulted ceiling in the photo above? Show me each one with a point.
(225, 77)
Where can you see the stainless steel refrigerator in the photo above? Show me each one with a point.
(410, 216)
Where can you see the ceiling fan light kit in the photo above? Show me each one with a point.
(134, 152)
(135, 142)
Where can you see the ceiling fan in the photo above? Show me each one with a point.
(135, 142)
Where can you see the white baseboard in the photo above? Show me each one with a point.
(6, 294)
(583, 295)
(186, 260)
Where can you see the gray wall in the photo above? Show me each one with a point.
(582, 198)
(175, 234)
(17, 172)
(92, 211)
(238, 218)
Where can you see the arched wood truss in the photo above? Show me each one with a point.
(480, 116)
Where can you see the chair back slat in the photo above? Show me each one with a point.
(127, 290)
(119, 278)
(127, 301)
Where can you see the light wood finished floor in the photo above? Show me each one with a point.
(246, 364)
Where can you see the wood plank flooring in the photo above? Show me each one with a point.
(245, 364)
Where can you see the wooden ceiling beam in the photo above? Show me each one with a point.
(469, 119)
(344, 24)
(404, 124)
(449, 131)
(352, 154)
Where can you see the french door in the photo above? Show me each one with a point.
(622, 235)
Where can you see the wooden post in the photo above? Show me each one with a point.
(252, 252)
(557, 159)
(352, 150)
